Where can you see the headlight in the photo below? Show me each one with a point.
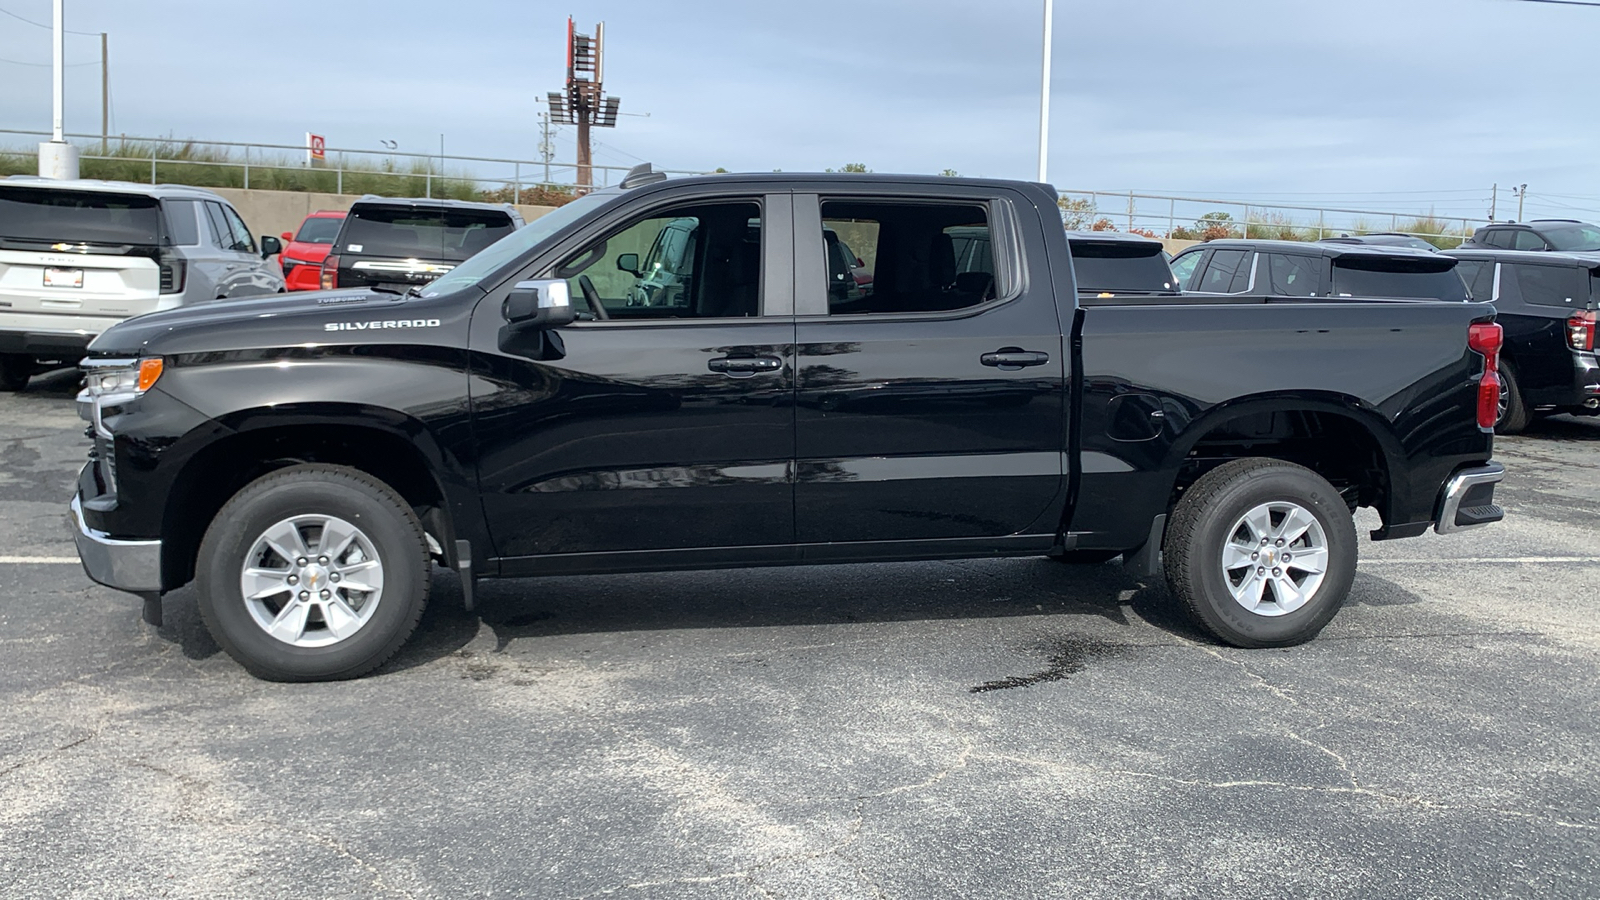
(122, 378)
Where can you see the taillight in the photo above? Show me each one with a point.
(174, 271)
(330, 272)
(1485, 339)
(1580, 330)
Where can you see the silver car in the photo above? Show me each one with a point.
(76, 257)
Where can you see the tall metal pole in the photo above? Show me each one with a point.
(1044, 95)
(1494, 200)
(1522, 195)
(105, 96)
(58, 80)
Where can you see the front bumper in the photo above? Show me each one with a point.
(133, 566)
(1468, 499)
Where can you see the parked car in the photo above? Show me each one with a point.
(480, 422)
(1296, 269)
(1110, 262)
(1546, 304)
(1546, 235)
(304, 251)
(398, 244)
(1383, 239)
(76, 257)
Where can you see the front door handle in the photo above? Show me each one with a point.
(1012, 358)
(744, 366)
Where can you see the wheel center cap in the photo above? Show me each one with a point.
(315, 576)
(1269, 556)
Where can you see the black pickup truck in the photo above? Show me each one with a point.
(305, 458)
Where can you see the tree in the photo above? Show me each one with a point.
(858, 168)
(948, 173)
(1076, 214)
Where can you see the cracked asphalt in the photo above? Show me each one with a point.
(983, 729)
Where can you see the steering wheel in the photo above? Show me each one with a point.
(593, 297)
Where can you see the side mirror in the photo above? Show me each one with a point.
(288, 237)
(270, 245)
(538, 304)
(629, 262)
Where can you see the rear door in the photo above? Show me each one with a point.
(932, 408)
(232, 257)
(1227, 271)
(662, 428)
(67, 254)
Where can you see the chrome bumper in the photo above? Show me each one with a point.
(1454, 513)
(133, 566)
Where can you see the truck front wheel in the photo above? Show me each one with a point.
(313, 572)
(1262, 552)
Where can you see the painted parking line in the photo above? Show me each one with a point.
(1485, 560)
(39, 560)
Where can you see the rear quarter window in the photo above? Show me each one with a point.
(1558, 286)
(182, 222)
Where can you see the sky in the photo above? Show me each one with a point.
(1369, 104)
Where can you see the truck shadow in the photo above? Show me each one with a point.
(528, 609)
(1564, 428)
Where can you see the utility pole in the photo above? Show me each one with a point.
(583, 102)
(57, 158)
(1044, 95)
(1522, 196)
(1494, 200)
(105, 96)
(547, 150)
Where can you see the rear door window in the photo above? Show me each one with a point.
(1183, 268)
(1500, 237)
(242, 241)
(217, 226)
(1226, 269)
(1528, 240)
(422, 232)
(1479, 276)
(923, 257)
(1292, 276)
(94, 217)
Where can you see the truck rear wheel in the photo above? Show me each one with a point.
(312, 573)
(1513, 415)
(15, 370)
(1262, 552)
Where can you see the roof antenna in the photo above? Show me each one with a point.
(643, 173)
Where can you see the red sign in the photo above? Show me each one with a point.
(316, 148)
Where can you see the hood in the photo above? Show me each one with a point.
(303, 318)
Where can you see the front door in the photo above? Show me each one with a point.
(663, 419)
(931, 407)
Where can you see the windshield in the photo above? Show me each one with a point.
(1357, 277)
(1112, 266)
(94, 217)
(509, 249)
(321, 230)
(1573, 238)
(410, 232)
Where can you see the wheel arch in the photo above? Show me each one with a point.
(1316, 430)
(386, 444)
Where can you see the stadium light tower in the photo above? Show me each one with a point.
(584, 103)
(57, 158)
(1044, 97)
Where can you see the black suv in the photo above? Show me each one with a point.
(1546, 306)
(1560, 235)
(1296, 269)
(398, 244)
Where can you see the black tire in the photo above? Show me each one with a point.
(1205, 521)
(1086, 557)
(1514, 413)
(15, 370)
(389, 527)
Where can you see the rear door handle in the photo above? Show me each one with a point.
(1014, 358)
(744, 366)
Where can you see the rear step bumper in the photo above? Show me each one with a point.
(1468, 499)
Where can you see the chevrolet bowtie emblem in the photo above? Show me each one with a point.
(60, 246)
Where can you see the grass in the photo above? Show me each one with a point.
(185, 162)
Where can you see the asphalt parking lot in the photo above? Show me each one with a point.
(989, 729)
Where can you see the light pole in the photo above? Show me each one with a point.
(57, 158)
(1044, 96)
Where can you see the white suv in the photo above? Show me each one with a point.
(76, 257)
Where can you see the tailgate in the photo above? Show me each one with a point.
(77, 284)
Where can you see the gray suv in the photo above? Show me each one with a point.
(76, 257)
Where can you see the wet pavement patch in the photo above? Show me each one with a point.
(1066, 656)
